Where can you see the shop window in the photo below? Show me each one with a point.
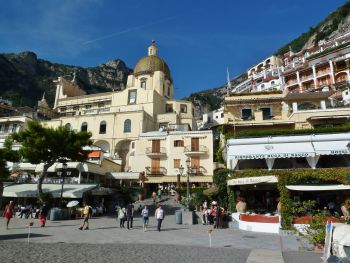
(63, 109)
(176, 163)
(127, 125)
(183, 108)
(84, 126)
(103, 127)
(88, 106)
(76, 108)
(132, 97)
(178, 143)
(14, 127)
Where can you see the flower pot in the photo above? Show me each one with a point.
(141, 197)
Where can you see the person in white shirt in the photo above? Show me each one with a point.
(159, 215)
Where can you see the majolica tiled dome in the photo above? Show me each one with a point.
(151, 63)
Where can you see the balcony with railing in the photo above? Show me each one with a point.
(154, 152)
(195, 150)
(197, 171)
(156, 171)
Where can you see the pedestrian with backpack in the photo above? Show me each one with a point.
(145, 218)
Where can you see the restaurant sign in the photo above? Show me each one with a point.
(272, 155)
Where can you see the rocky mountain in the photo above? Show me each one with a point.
(24, 78)
(335, 24)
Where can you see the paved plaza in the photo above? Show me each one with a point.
(61, 241)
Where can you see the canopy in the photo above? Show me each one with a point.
(331, 147)
(30, 190)
(333, 187)
(125, 176)
(173, 179)
(253, 180)
(262, 151)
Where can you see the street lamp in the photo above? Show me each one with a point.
(181, 171)
(61, 173)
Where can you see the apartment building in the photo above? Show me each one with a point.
(160, 154)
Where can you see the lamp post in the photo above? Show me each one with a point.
(61, 173)
(181, 170)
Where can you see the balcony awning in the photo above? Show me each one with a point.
(329, 117)
(331, 147)
(265, 151)
(253, 180)
(336, 187)
(30, 190)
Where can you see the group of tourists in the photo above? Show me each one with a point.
(10, 212)
(126, 214)
(213, 215)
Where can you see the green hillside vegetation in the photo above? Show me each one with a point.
(323, 30)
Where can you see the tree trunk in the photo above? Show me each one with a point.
(41, 179)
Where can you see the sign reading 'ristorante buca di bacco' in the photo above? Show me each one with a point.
(274, 155)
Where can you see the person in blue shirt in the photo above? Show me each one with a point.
(145, 217)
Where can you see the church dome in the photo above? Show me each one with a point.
(151, 63)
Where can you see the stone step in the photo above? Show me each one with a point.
(264, 256)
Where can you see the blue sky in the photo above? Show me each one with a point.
(198, 39)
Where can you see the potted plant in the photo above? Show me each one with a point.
(316, 231)
(142, 192)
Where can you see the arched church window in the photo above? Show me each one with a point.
(127, 125)
(103, 127)
(84, 126)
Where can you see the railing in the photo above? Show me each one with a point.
(306, 78)
(152, 151)
(196, 149)
(197, 171)
(321, 73)
(340, 84)
(156, 171)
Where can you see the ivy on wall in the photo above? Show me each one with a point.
(293, 177)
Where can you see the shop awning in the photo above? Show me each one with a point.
(335, 187)
(30, 190)
(125, 176)
(253, 180)
(331, 147)
(265, 151)
(173, 179)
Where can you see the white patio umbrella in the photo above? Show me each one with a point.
(72, 203)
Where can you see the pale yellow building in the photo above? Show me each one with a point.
(278, 110)
(160, 154)
(118, 117)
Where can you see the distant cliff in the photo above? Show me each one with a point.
(24, 78)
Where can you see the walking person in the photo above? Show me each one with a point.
(129, 215)
(43, 214)
(145, 218)
(159, 194)
(121, 216)
(9, 212)
(154, 196)
(86, 213)
(159, 215)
